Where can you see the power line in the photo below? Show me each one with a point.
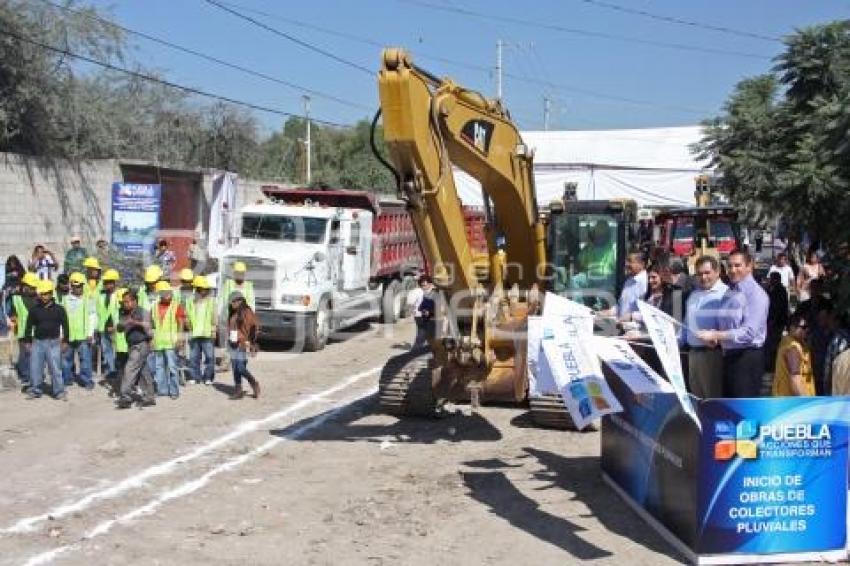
(352, 37)
(291, 38)
(163, 82)
(480, 68)
(612, 97)
(679, 21)
(208, 57)
(579, 31)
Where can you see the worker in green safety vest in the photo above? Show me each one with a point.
(107, 313)
(93, 273)
(82, 323)
(169, 319)
(201, 317)
(598, 259)
(147, 294)
(119, 341)
(238, 283)
(186, 290)
(22, 304)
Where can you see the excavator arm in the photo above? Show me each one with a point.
(431, 125)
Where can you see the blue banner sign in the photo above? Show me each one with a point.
(135, 215)
(763, 477)
(773, 475)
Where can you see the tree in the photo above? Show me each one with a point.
(34, 81)
(782, 145)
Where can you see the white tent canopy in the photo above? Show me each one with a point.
(653, 166)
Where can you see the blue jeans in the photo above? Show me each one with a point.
(82, 349)
(23, 366)
(46, 352)
(198, 347)
(107, 352)
(167, 379)
(239, 365)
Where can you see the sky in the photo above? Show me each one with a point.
(601, 68)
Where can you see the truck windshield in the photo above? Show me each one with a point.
(284, 228)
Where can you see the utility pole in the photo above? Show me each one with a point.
(307, 139)
(499, 45)
(547, 108)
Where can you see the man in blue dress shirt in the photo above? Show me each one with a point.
(705, 360)
(634, 288)
(742, 329)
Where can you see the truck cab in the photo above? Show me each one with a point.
(684, 231)
(317, 265)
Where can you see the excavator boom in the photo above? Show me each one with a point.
(430, 126)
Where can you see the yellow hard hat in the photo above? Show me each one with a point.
(162, 286)
(77, 278)
(153, 274)
(111, 275)
(200, 282)
(44, 287)
(119, 294)
(240, 267)
(186, 274)
(30, 279)
(91, 262)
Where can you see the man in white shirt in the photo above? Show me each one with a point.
(705, 361)
(634, 289)
(784, 270)
(421, 301)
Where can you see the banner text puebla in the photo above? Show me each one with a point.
(135, 215)
(773, 475)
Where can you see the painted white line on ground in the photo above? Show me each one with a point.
(196, 484)
(138, 480)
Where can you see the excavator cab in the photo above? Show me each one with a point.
(587, 244)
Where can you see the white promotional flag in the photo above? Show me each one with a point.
(572, 320)
(662, 330)
(222, 212)
(635, 373)
(576, 372)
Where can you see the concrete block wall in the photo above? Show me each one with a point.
(45, 200)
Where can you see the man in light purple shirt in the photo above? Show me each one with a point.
(742, 329)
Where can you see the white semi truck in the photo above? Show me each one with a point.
(324, 260)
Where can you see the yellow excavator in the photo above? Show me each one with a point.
(478, 352)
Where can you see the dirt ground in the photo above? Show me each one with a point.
(308, 474)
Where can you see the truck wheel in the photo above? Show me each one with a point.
(318, 329)
(407, 285)
(391, 306)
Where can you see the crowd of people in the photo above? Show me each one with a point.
(741, 333)
(146, 340)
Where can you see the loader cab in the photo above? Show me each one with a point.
(587, 245)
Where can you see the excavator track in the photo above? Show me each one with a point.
(548, 411)
(405, 388)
